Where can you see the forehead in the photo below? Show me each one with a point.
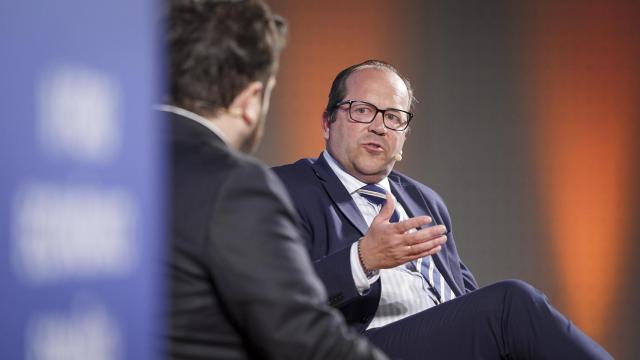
(378, 86)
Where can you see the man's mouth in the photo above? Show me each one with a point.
(373, 147)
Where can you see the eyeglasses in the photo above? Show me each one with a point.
(364, 112)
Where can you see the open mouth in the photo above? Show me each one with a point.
(373, 147)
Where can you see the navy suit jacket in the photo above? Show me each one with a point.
(332, 222)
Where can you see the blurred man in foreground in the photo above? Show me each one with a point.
(241, 283)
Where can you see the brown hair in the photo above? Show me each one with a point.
(216, 48)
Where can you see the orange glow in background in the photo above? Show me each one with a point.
(585, 104)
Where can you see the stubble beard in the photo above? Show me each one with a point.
(372, 167)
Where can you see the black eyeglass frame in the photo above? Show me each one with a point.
(383, 111)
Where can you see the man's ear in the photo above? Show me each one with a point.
(326, 123)
(248, 103)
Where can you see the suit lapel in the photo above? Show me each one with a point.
(414, 204)
(339, 194)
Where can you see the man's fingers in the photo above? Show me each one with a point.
(429, 252)
(425, 234)
(413, 223)
(425, 249)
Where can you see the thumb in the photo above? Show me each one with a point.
(387, 209)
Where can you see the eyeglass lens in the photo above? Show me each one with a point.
(364, 112)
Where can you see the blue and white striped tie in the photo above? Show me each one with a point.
(437, 285)
(377, 196)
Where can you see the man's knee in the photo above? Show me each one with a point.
(520, 291)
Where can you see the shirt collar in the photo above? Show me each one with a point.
(195, 117)
(350, 183)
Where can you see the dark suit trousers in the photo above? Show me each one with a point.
(506, 320)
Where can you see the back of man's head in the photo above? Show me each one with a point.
(218, 47)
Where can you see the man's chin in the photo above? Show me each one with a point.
(371, 173)
(374, 164)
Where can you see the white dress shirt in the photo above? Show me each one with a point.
(404, 290)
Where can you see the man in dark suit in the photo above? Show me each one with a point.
(382, 242)
(241, 283)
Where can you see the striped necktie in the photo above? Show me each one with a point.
(437, 285)
(377, 196)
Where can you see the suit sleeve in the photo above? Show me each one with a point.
(262, 272)
(468, 280)
(470, 283)
(333, 269)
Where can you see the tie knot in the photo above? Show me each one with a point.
(374, 193)
(378, 196)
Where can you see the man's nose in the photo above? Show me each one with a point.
(377, 125)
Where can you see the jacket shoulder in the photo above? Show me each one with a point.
(298, 168)
(297, 175)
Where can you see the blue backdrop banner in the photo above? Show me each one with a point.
(81, 179)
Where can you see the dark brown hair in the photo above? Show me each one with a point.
(216, 48)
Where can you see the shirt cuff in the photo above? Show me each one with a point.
(359, 277)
